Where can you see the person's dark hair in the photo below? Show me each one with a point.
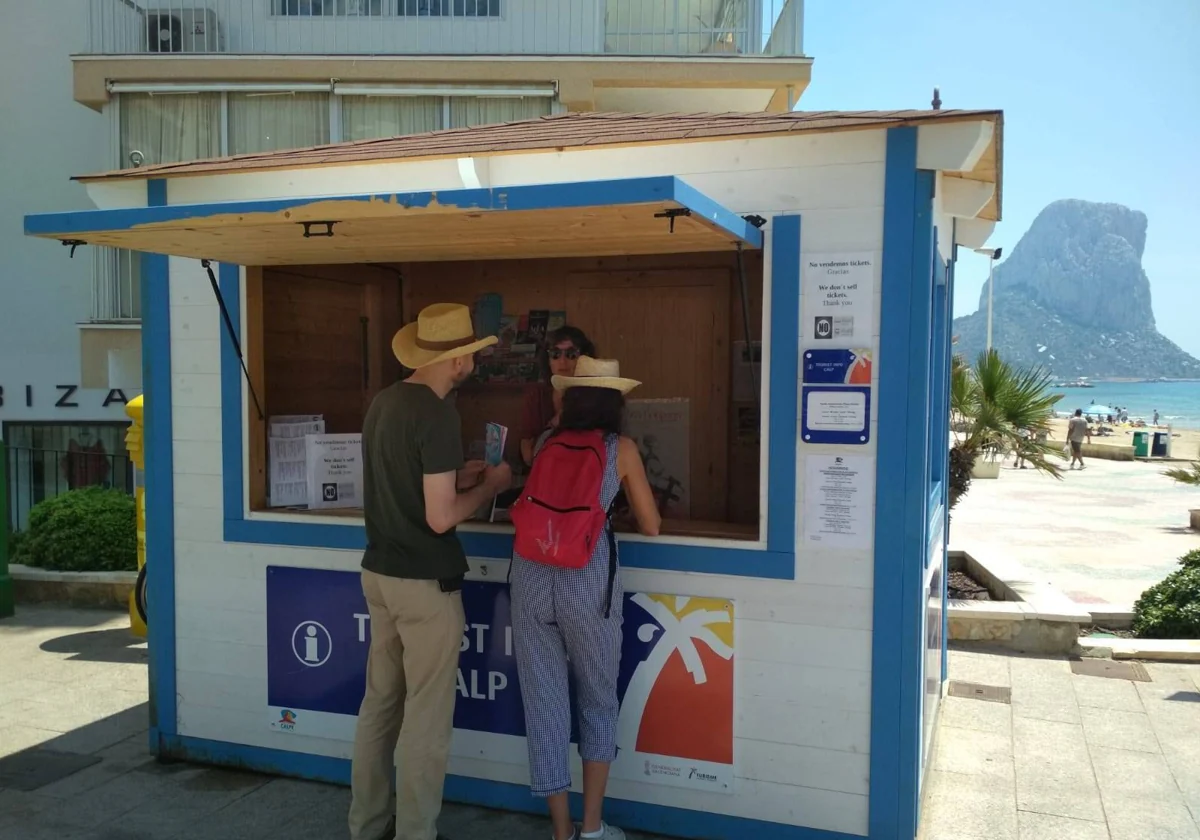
(592, 410)
(565, 333)
(1079, 412)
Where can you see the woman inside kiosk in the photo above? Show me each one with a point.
(543, 403)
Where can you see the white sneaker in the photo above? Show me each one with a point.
(606, 832)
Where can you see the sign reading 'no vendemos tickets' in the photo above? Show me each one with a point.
(675, 685)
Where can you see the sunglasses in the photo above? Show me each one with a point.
(570, 353)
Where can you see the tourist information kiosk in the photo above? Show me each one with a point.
(782, 285)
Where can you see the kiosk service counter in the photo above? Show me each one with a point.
(781, 283)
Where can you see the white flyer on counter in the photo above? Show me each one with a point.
(335, 471)
(839, 501)
(839, 299)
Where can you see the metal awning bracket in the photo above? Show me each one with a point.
(308, 226)
(73, 244)
(672, 214)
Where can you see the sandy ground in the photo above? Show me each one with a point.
(1103, 534)
(1185, 443)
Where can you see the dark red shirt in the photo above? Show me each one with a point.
(538, 410)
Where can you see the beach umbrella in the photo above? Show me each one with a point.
(1099, 411)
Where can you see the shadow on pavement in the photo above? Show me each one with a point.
(38, 616)
(115, 644)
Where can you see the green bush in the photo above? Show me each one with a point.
(88, 530)
(1171, 609)
(1191, 560)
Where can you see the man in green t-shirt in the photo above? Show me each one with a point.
(417, 489)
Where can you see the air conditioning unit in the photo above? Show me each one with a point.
(183, 31)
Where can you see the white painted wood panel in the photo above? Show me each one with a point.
(196, 423)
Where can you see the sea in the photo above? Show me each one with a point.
(1177, 403)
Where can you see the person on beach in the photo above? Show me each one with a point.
(1156, 417)
(1077, 430)
(564, 346)
(566, 591)
(417, 488)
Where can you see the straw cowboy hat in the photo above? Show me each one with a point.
(595, 373)
(442, 331)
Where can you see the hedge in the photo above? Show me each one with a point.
(88, 530)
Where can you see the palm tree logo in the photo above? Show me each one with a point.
(682, 621)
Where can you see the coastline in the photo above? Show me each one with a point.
(1185, 443)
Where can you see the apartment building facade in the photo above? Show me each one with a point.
(116, 83)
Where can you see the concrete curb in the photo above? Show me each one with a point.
(1158, 650)
(1029, 616)
(108, 590)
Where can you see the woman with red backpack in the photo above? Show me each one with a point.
(566, 594)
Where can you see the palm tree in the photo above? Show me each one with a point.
(1186, 475)
(997, 409)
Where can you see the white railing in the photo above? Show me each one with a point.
(116, 285)
(446, 27)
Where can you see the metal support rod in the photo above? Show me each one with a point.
(991, 291)
(6, 584)
(741, 266)
(237, 346)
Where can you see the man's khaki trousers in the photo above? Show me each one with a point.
(407, 714)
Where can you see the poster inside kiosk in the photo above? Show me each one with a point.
(675, 684)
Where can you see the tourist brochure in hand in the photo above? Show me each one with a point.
(497, 437)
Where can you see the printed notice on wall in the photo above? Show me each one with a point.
(335, 471)
(839, 496)
(839, 299)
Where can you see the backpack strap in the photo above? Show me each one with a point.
(612, 564)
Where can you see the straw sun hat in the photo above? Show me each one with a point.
(442, 331)
(595, 373)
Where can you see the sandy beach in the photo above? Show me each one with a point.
(1185, 443)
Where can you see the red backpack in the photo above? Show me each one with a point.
(558, 517)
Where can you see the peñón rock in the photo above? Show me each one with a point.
(1073, 298)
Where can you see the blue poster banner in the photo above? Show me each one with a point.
(837, 367)
(675, 682)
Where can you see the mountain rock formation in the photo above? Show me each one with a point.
(1073, 298)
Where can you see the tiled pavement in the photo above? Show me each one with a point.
(1072, 758)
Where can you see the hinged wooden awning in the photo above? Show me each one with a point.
(594, 218)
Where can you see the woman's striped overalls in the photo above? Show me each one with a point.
(559, 623)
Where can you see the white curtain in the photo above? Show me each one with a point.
(487, 110)
(372, 117)
(169, 128)
(268, 122)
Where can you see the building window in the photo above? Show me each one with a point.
(332, 8)
(450, 8)
(371, 117)
(45, 460)
(269, 122)
(486, 110)
(169, 128)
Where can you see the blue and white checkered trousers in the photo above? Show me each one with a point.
(558, 623)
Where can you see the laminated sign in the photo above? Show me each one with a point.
(839, 300)
(675, 685)
(335, 471)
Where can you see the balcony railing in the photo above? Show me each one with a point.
(447, 27)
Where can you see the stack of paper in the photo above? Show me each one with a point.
(287, 464)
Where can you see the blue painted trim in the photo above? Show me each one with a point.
(777, 562)
(639, 816)
(534, 197)
(947, 341)
(160, 484)
(784, 385)
(901, 491)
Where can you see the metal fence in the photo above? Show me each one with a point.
(35, 475)
(447, 27)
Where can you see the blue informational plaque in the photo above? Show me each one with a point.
(837, 367)
(835, 414)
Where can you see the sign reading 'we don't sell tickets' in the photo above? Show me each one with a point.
(675, 684)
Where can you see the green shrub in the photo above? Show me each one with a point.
(1191, 560)
(88, 530)
(1171, 609)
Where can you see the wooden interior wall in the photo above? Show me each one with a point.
(318, 342)
(646, 310)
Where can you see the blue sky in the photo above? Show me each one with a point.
(1101, 101)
